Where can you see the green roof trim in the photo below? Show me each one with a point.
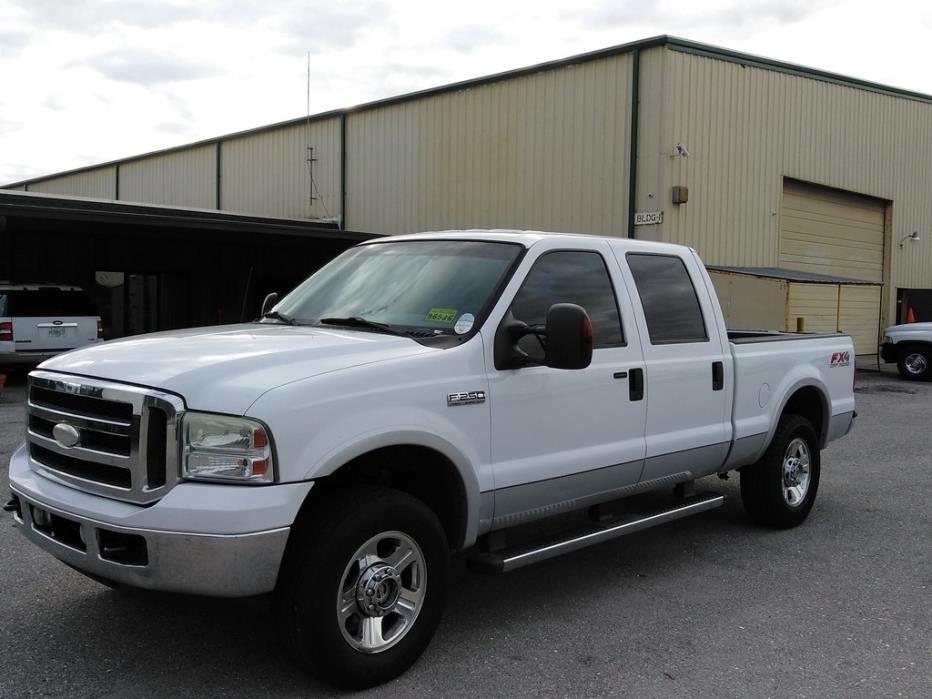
(671, 42)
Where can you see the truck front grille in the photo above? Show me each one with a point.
(102, 437)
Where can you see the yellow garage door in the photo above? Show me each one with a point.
(830, 232)
(859, 316)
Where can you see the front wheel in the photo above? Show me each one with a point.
(780, 489)
(362, 586)
(915, 363)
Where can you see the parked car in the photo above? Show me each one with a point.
(910, 346)
(419, 396)
(40, 320)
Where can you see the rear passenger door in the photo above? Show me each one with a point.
(562, 436)
(688, 373)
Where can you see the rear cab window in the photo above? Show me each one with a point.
(669, 300)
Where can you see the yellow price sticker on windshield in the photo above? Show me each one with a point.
(441, 315)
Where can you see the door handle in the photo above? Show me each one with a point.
(718, 376)
(636, 384)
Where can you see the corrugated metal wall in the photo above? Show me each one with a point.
(267, 173)
(99, 183)
(747, 128)
(183, 178)
(546, 151)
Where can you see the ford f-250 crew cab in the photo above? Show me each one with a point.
(417, 396)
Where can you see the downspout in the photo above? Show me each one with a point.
(343, 171)
(633, 155)
(217, 182)
(116, 182)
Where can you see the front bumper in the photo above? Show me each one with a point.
(212, 555)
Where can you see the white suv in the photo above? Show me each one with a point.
(38, 321)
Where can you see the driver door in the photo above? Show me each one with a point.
(562, 439)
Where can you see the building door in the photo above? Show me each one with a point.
(840, 234)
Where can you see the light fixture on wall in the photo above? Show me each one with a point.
(914, 237)
(679, 151)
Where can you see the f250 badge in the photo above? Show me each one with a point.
(839, 359)
(465, 398)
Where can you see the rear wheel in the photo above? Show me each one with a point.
(915, 363)
(362, 586)
(780, 489)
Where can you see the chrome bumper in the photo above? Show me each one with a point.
(220, 566)
(205, 539)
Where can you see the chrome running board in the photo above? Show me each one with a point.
(507, 560)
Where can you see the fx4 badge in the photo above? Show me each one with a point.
(839, 359)
(465, 398)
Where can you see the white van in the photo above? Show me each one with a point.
(38, 321)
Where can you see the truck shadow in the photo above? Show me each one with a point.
(137, 643)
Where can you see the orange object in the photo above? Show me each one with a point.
(2, 384)
(910, 316)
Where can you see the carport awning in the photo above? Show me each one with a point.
(791, 275)
(33, 205)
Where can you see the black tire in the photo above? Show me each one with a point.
(319, 562)
(915, 363)
(765, 492)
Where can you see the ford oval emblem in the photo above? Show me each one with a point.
(66, 435)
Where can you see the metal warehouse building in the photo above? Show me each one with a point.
(801, 189)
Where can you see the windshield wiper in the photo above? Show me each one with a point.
(275, 315)
(359, 322)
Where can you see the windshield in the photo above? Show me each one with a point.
(429, 287)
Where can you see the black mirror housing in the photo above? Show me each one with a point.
(268, 303)
(569, 337)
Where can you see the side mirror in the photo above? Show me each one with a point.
(569, 337)
(267, 303)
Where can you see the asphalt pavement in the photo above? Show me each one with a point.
(709, 606)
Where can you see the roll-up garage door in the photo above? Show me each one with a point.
(840, 234)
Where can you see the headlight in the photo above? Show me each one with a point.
(224, 448)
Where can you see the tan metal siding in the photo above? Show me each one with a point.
(751, 303)
(747, 128)
(816, 304)
(267, 173)
(99, 183)
(184, 178)
(830, 232)
(546, 151)
(859, 316)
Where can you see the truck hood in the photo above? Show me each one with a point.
(226, 368)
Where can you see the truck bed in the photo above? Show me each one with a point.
(742, 337)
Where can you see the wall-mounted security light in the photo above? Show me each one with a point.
(913, 237)
(679, 151)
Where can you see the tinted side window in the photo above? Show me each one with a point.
(669, 299)
(569, 277)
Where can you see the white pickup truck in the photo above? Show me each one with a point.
(910, 346)
(418, 396)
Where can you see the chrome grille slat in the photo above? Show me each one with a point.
(82, 453)
(82, 421)
(121, 414)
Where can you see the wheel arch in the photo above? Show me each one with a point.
(423, 471)
(808, 400)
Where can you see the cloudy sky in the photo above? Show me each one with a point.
(84, 81)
